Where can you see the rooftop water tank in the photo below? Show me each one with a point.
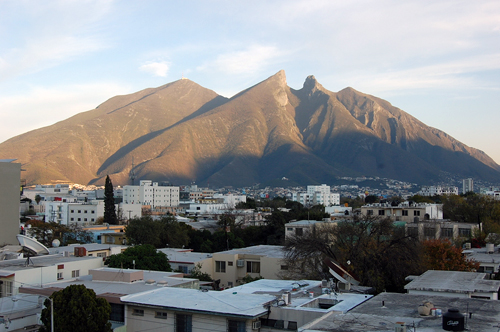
(453, 320)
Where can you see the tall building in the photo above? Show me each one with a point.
(150, 193)
(467, 185)
(10, 182)
(317, 195)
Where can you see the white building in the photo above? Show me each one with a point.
(467, 185)
(73, 213)
(150, 193)
(317, 195)
(232, 200)
(405, 211)
(437, 190)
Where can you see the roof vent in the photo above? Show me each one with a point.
(150, 282)
(162, 283)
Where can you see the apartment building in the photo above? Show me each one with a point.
(317, 195)
(437, 190)
(406, 211)
(150, 193)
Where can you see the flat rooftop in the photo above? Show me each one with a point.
(261, 250)
(88, 246)
(453, 282)
(39, 261)
(373, 316)
(188, 257)
(228, 304)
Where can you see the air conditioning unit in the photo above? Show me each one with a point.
(344, 286)
(256, 325)
(467, 245)
(240, 263)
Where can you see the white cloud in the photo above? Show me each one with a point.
(156, 68)
(42, 106)
(252, 60)
(57, 32)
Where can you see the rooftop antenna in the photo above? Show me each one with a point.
(132, 172)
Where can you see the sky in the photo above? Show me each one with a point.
(437, 60)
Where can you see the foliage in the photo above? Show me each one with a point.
(197, 274)
(355, 203)
(375, 250)
(38, 198)
(109, 203)
(249, 204)
(146, 257)
(247, 278)
(424, 199)
(371, 199)
(164, 232)
(443, 255)
(77, 309)
(46, 232)
(473, 208)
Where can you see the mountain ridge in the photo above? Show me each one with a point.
(183, 132)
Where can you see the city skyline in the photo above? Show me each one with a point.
(437, 61)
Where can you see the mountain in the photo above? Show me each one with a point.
(183, 132)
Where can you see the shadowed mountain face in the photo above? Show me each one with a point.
(182, 132)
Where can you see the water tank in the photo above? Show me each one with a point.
(453, 320)
(490, 248)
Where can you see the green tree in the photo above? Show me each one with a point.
(38, 198)
(146, 257)
(197, 274)
(109, 203)
(77, 309)
(158, 233)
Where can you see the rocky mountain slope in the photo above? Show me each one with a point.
(182, 132)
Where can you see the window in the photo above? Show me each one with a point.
(464, 232)
(447, 233)
(138, 312)
(79, 211)
(75, 273)
(381, 212)
(59, 275)
(79, 219)
(183, 269)
(101, 254)
(429, 231)
(289, 229)
(72, 219)
(92, 211)
(220, 266)
(161, 314)
(253, 267)
(7, 289)
(369, 212)
(413, 232)
(416, 213)
(84, 219)
(299, 231)
(85, 211)
(117, 312)
(284, 267)
(235, 325)
(72, 211)
(229, 263)
(183, 323)
(405, 212)
(92, 219)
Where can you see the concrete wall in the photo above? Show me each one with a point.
(200, 322)
(10, 182)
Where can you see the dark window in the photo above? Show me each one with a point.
(413, 232)
(299, 231)
(284, 267)
(72, 211)
(236, 325)
(161, 314)
(405, 212)
(369, 212)
(253, 267)
(183, 323)
(79, 211)
(381, 212)
(117, 312)
(447, 232)
(429, 231)
(464, 232)
(220, 266)
(229, 263)
(138, 312)
(416, 213)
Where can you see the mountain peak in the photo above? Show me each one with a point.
(311, 85)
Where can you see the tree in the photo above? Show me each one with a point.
(145, 256)
(158, 233)
(46, 232)
(77, 309)
(443, 255)
(197, 274)
(38, 198)
(109, 203)
(375, 250)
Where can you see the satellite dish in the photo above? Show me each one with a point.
(32, 245)
(56, 243)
